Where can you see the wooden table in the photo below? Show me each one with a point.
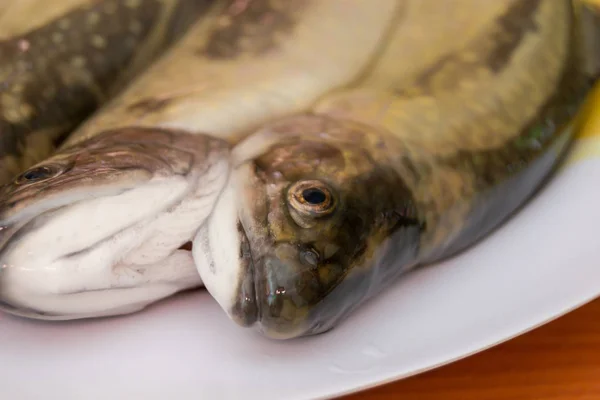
(558, 361)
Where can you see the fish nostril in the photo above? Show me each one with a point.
(309, 257)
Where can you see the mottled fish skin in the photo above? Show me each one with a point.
(60, 70)
(367, 149)
(250, 62)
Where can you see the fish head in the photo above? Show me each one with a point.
(84, 220)
(322, 224)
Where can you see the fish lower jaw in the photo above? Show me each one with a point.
(65, 293)
(217, 253)
(217, 266)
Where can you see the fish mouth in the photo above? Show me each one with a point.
(267, 297)
(226, 246)
(245, 311)
(268, 276)
(284, 311)
(279, 296)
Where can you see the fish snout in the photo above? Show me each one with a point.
(289, 288)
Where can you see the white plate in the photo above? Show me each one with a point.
(537, 267)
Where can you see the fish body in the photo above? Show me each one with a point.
(366, 141)
(51, 285)
(59, 62)
(409, 172)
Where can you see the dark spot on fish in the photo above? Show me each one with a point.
(295, 157)
(252, 27)
(149, 105)
(493, 52)
(185, 14)
(508, 175)
(513, 25)
(11, 141)
(590, 31)
(411, 169)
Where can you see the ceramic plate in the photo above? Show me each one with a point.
(537, 267)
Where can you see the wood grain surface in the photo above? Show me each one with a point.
(558, 361)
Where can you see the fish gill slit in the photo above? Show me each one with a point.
(94, 245)
(187, 246)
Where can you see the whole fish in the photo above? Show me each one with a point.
(367, 141)
(61, 60)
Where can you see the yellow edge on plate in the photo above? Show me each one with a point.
(587, 139)
(586, 145)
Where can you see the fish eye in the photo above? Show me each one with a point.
(311, 198)
(40, 173)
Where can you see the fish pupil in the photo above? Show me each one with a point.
(314, 196)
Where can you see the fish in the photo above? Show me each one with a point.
(59, 62)
(335, 147)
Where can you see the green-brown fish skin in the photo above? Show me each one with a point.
(61, 60)
(338, 203)
(588, 13)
